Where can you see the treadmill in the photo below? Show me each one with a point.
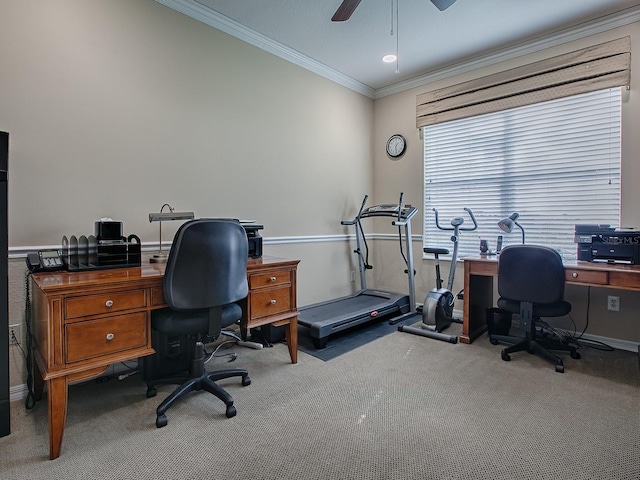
(367, 305)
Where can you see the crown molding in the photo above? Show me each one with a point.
(195, 10)
(600, 25)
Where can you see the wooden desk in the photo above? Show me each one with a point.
(479, 274)
(85, 321)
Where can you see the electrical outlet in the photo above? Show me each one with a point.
(15, 334)
(353, 275)
(613, 303)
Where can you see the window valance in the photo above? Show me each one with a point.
(589, 69)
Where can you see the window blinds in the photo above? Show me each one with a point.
(589, 69)
(556, 163)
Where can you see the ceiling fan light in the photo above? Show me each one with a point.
(443, 4)
(389, 58)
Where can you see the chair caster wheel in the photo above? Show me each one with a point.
(575, 355)
(560, 368)
(505, 356)
(246, 381)
(231, 411)
(151, 392)
(161, 421)
(493, 341)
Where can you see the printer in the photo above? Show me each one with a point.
(604, 244)
(253, 238)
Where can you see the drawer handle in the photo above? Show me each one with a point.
(272, 279)
(273, 302)
(109, 303)
(110, 336)
(574, 274)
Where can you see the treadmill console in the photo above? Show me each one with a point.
(389, 210)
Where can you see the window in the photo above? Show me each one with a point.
(555, 163)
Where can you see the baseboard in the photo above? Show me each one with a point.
(612, 342)
(19, 392)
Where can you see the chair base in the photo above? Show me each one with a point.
(540, 346)
(197, 379)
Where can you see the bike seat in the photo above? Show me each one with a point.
(436, 250)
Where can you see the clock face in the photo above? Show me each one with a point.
(396, 145)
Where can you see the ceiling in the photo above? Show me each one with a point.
(429, 42)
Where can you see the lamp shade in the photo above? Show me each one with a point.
(163, 217)
(507, 224)
(161, 257)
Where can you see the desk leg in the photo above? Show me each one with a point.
(291, 334)
(244, 322)
(57, 398)
(244, 332)
(57, 390)
(478, 296)
(38, 382)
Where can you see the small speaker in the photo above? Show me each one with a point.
(109, 231)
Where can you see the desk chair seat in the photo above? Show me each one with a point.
(531, 283)
(206, 274)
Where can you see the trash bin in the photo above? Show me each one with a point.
(498, 321)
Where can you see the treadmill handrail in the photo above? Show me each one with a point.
(408, 212)
(358, 216)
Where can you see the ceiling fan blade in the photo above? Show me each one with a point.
(443, 4)
(346, 8)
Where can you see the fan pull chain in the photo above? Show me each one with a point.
(392, 18)
(397, 34)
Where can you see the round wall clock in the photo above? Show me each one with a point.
(396, 146)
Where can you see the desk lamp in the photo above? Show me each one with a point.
(161, 257)
(507, 224)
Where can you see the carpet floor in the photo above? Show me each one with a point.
(398, 407)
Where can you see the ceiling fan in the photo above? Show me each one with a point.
(347, 7)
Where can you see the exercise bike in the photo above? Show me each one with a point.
(437, 310)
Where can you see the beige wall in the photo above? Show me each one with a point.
(116, 107)
(396, 114)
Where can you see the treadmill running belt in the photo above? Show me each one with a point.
(347, 340)
(327, 318)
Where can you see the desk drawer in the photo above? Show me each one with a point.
(270, 302)
(269, 279)
(628, 280)
(586, 276)
(94, 338)
(157, 296)
(76, 307)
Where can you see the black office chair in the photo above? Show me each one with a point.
(206, 273)
(531, 283)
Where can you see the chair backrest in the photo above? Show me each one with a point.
(207, 265)
(531, 273)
